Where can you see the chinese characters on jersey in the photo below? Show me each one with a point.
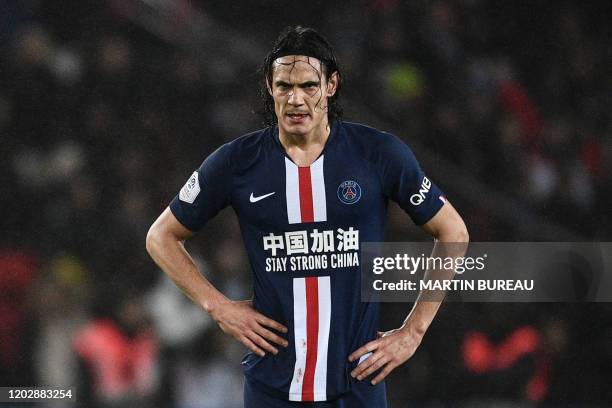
(301, 250)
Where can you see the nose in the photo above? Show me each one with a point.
(296, 97)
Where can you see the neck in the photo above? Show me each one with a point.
(318, 136)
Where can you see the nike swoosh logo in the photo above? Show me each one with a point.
(256, 199)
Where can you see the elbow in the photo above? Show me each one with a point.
(456, 232)
(152, 240)
(461, 234)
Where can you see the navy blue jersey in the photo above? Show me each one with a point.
(302, 228)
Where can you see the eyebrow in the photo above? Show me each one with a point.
(301, 85)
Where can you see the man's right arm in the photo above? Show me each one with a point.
(165, 244)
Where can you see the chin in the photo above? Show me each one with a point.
(296, 129)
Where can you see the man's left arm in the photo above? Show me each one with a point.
(394, 347)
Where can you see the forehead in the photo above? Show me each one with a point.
(296, 67)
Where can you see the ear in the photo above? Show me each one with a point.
(332, 84)
(268, 87)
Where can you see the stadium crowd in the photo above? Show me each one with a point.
(101, 122)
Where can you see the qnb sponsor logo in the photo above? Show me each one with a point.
(418, 198)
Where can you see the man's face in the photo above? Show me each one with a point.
(300, 92)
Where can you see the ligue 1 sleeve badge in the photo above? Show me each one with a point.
(349, 192)
(191, 189)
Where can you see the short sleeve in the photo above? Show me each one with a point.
(206, 192)
(405, 182)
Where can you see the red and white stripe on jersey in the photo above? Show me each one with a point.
(311, 318)
(305, 190)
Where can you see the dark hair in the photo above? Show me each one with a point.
(301, 41)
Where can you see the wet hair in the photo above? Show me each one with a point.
(301, 41)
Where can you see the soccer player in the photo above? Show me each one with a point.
(307, 191)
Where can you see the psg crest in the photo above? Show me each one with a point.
(349, 192)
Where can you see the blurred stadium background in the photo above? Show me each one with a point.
(106, 107)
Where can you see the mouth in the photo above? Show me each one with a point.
(297, 117)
